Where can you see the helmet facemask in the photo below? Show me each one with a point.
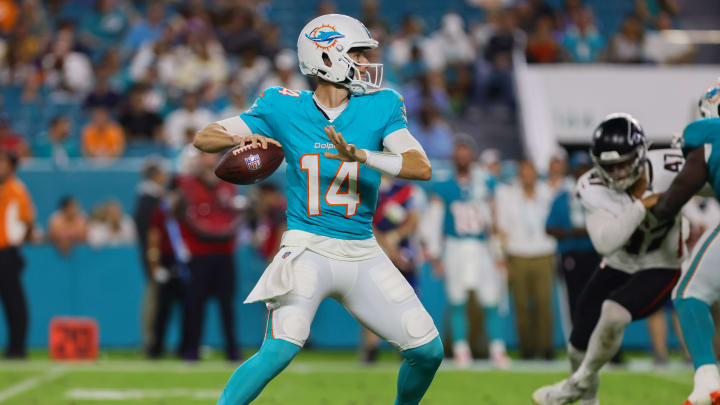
(362, 77)
(620, 172)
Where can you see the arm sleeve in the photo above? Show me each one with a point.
(401, 141)
(235, 126)
(687, 183)
(258, 117)
(609, 232)
(398, 116)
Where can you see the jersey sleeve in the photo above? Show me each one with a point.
(398, 115)
(259, 116)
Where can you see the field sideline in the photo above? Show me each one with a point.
(314, 378)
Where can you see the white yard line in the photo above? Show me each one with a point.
(137, 393)
(30, 383)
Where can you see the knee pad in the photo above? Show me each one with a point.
(615, 314)
(290, 324)
(418, 323)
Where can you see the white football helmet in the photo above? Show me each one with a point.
(333, 35)
(709, 104)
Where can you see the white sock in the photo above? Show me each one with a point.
(576, 357)
(707, 376)
(605, 340)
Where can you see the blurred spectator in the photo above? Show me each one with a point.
(372, 18)
(238, 102)
(650, 10)
(531, 11)
(494, 76)
(659, 49)
(568, 13)
(406, 45)
(199, 63)
(110, 226)
(103, 25)
(429, 88)
(102, 95)
(17, 213)
(186, 120)
(452, 42)
(269, 220)
(286, 74)
(139, 123)
(208, 223)
(627, 46)
(102, 137)
(566, 223)
(67, 226)
(326, 7)
(147, 29)
(252, 69)
(557, 178)
(582, 41)
(10, 141)
(239, 32)
(67, 72)
(432, 133)
(542, 47)
(57, 143)
(150, 193)
(154, 59)
(522, 210)
(8, 15)
(34, 18)
(168, 277)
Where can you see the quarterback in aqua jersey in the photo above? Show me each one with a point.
(699, 285)
(333, 140)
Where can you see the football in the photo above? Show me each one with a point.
(248, 165)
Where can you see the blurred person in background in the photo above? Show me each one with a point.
(17, 216)
(57, 143)
(628, 45)
(66, 71)
(146, 29)
(200, 62)
(494, 74)
(566, 223)
(11, 141)
(582, 42)
(67, 226)
(542, 46)
(452, 42)
(286, 74)
(428, 88)
(208, 222)
(523, 208)
(103, 138)
(658, 48)
(237, 100)
(649, 11)
(433, 133)
(103, 25)
(139, 123)
(252, 68)
(167, 260)
(110, 226)
(557, 177)
(461, 208)
(102, 95)
(151, 191)
(394, 224)
(491, 163)
(186, 120)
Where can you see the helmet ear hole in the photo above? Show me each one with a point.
(326, 60)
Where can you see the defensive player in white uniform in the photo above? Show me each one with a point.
(329, 249)
(641, 258)
(699, 286)
(461, 209)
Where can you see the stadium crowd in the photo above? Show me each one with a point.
(107, 76)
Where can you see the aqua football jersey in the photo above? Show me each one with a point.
(326, 196)
(467, 207)
(706, 132)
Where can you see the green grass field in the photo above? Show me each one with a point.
(314, 378)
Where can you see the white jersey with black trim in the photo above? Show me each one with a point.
(617, 223)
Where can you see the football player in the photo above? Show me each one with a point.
(699, 286)
(332, 139)
(641, 257)
(462, 206)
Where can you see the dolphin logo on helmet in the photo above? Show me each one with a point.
(328, 37)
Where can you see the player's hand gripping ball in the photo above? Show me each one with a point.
(252, 162)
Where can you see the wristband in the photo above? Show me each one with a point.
(388, 163)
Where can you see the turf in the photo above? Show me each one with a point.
(312, 379)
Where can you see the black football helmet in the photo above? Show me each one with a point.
(619, 150)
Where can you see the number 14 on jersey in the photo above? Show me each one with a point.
(346, 178)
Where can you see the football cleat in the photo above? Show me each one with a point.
(564, 392)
